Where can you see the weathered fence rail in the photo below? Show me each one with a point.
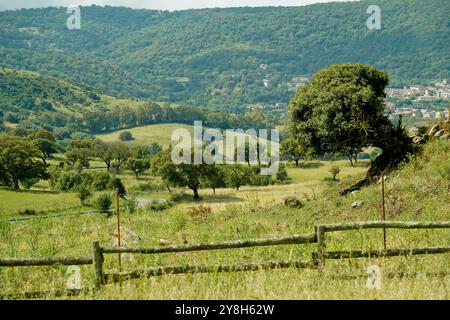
(101, 278)
(159, 271)
(53, 216)
(384, 253)
(385, 224)
(317, 261)
(296, 239)
(43, 293)
(321, 255)
(44, 261)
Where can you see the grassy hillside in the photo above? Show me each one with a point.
(418, 191)
(40, 101)
(159, 133)
(220, 57)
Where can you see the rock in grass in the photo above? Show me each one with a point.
(439, 133)
(433, 130)
(292, 202)
(357, 204)
(164, 242)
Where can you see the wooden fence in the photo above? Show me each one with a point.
(317, 261)
(321, 255)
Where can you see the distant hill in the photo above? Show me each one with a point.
(30, 101)
(34, 101)
(226, 58)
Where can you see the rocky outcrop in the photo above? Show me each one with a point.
(292, 202)
(440, 130)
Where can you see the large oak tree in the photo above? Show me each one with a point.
(19, 161)
(343, 107)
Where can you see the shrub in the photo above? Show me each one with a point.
(200, 213)
(100, 180)
(334, 170)
(150, 186)
(125, 136)
(177, 196)
(282, 175)
(27, 212)
(131, 205)
(158, 205)
(70, 180)
(83, 192)
(103, 203)
(28, 183)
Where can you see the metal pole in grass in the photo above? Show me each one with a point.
(118, 229)
(383, 208)
(119, 189)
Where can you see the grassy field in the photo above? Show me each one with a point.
(159, 133)
(419, 191)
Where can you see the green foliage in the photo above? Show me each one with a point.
(125, 136)
(131, 205)
(117, 186)
(100, 180)
(28, 183)
(103, 203)
(334, 170)
(193, 58)
(70, 180)
(138, 166)
(27, 212)
(83, 192)
(77, 116)
(158, 205)
(18, 161)
(80, 152)
(341, 110)
(291, 149)
(237, 175)
(46, 147)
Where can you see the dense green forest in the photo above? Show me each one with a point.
(218, 58)
(31, 101)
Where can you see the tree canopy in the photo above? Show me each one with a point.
(341, 108)
(19, 161)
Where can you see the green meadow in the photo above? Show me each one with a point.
(418, 191)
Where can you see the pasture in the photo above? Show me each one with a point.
(419, 191)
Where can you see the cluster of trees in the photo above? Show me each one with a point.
(152, 113)
(115, 156)
(32, 101)
(220, 50)
(196, 176)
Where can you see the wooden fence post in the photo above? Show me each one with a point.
(320, 247)
(97, 260)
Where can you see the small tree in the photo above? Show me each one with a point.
(83, 192)
(181, 175)
(334, 170)
(105, 152)
(46, 147)
(125, 136)
(292, 150)
(238, 175)
(121, 153)
(214, 177)
(103, 203)
(138, 166)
